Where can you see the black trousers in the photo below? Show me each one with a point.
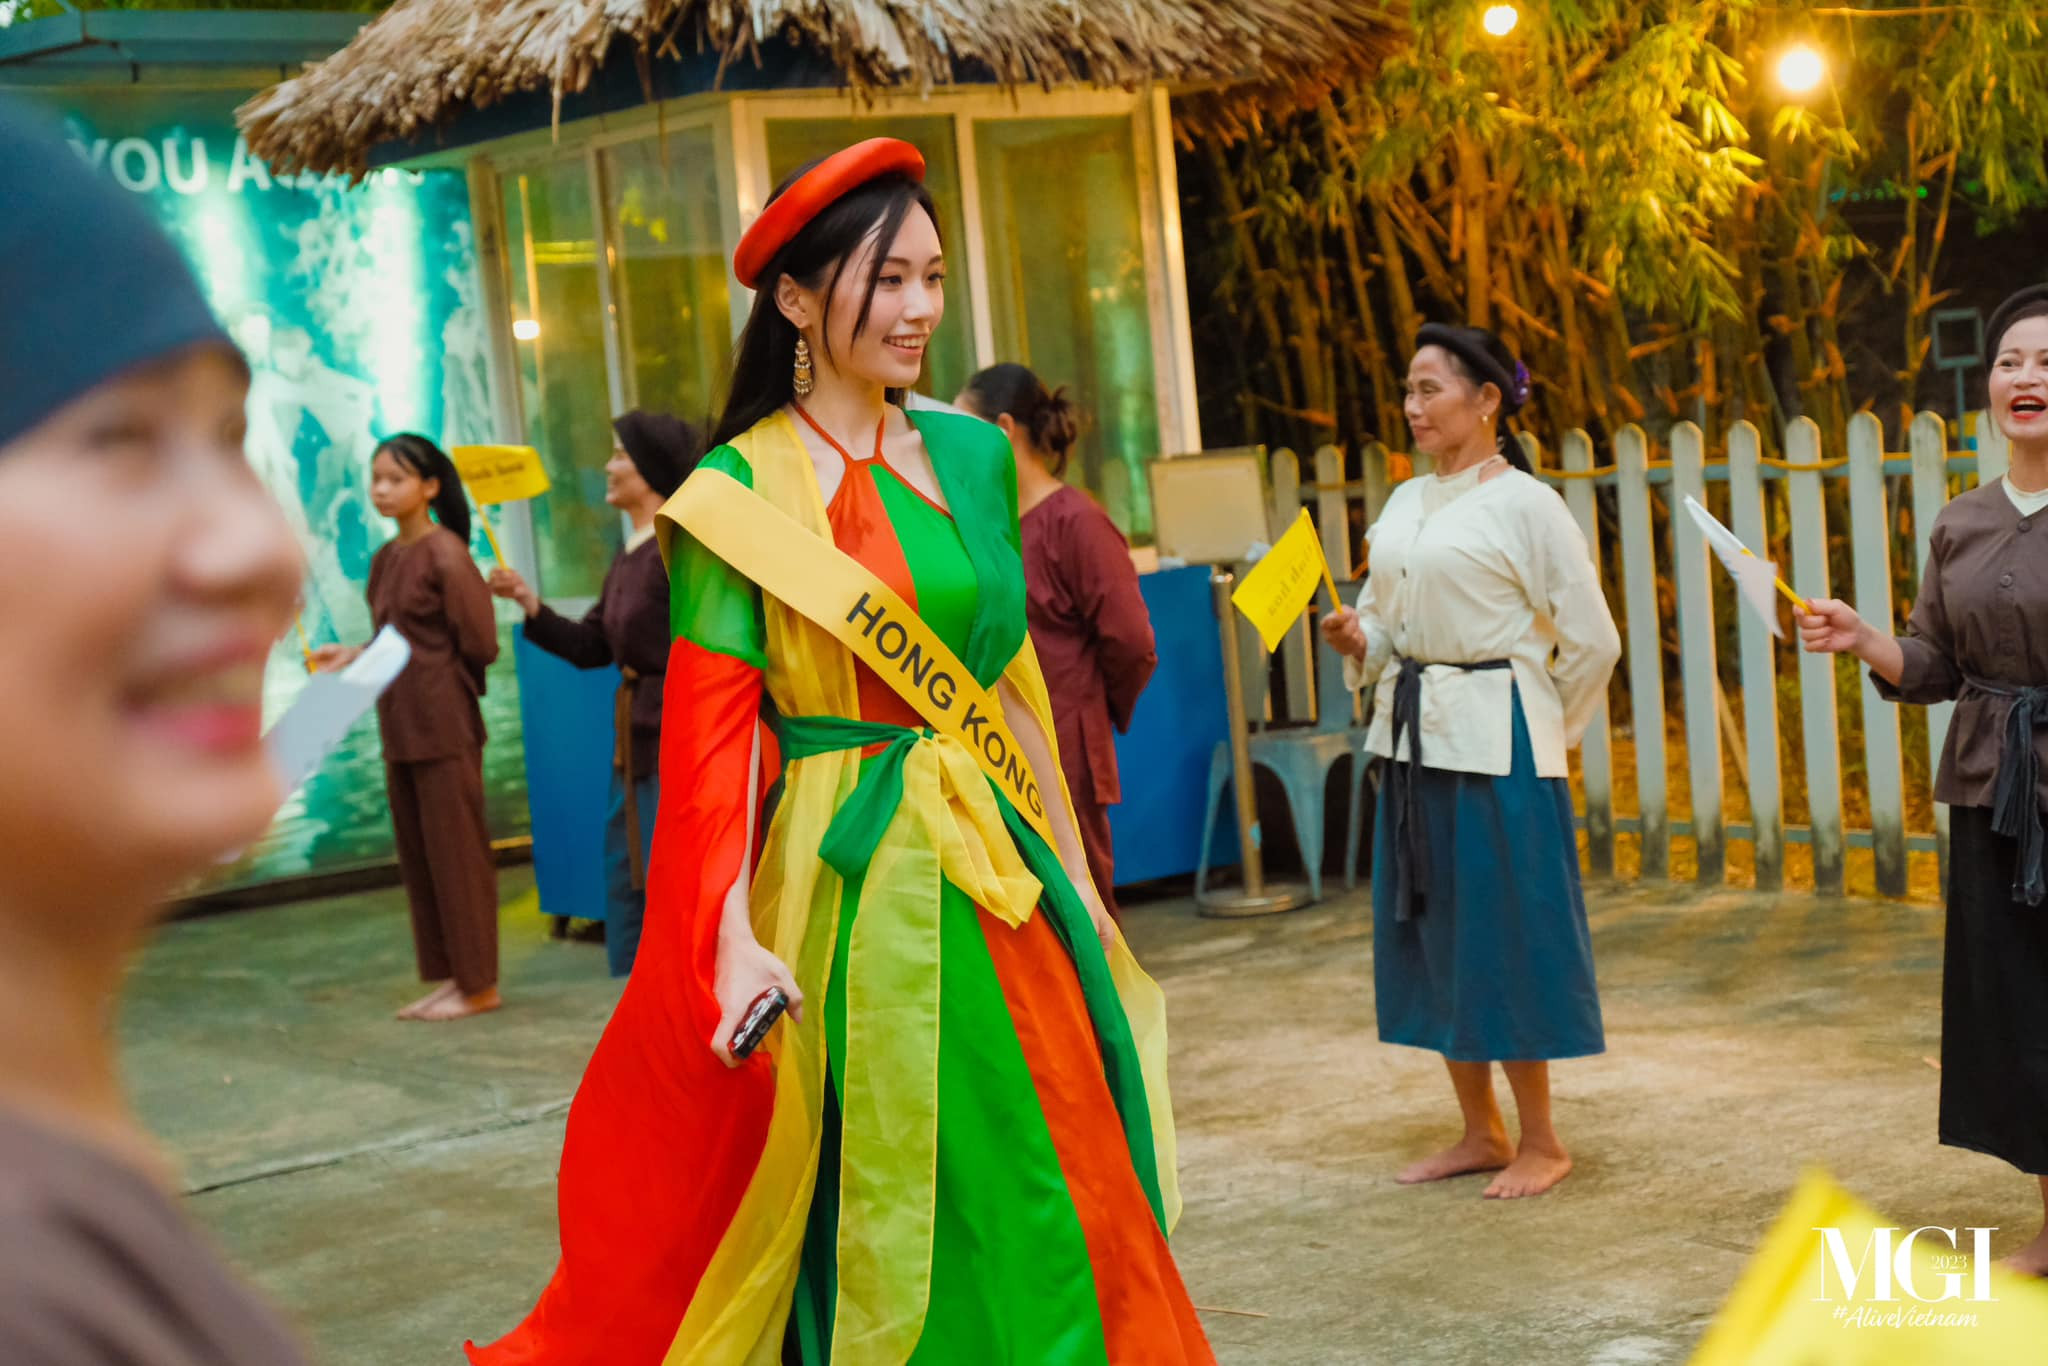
(1994, 1002)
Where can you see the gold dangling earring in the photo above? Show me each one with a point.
(801, 380)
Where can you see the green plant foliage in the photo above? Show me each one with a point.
(1624, 191)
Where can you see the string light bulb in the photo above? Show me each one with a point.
(1801, 69)
(525, 329)
(1500, 20)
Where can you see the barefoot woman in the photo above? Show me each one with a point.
(961, 1150)
(1484, 625)
(423, 583)
(1979, 636)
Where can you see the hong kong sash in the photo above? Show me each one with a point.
(843, 597)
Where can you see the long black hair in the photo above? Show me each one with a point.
(1482, 358)
(764, 360)
(1048, 418)
(429, 461)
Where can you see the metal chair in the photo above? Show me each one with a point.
(1301, 759)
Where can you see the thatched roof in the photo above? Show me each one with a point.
(424, 61)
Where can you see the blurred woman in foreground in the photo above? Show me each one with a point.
(144, 577)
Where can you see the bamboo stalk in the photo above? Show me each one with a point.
(1394, 271)
(1472, 180)
(1256, 276)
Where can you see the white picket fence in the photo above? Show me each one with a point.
(1645, 493)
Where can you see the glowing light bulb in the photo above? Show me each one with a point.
(1801, 69)
(525, 329)
(1500, 20)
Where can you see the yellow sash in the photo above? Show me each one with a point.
(949, 828)
(843, 597)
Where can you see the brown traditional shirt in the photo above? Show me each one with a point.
(627, 626)
(99, 1268)
(431, 591)
(1981, 619)
(1092, 633)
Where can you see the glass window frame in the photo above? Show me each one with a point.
(1159, 214)
(739, 126)
(586, 143)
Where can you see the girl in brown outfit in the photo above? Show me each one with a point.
(424, 584)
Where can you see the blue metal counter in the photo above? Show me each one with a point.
(1163, 761)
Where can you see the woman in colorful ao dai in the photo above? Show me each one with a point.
(960, 1151)
(1484, 626)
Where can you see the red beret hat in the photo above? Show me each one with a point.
(813, 192)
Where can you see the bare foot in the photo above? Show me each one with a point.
(441, 989)
(456, 1006)
(2031, 1260)
(1472, 1153)
(1534, 1171)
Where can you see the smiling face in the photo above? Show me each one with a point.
(908, 304)
(625, 487)
(2019, 381)
(1445, 410)
(144, 576)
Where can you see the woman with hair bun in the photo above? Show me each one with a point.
(424, 583)
(1088, 619)
(1484, 624)
(627, 626)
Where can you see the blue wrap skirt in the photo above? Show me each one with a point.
(1498, 967)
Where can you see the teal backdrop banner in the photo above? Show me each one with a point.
(359, 311)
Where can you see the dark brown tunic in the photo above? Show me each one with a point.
(627, 626)
(433, 753)
(1094, 641)
(1983, 614)
(1979, 635)
(99, 1268)
(431, 591)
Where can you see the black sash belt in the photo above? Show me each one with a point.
(1410, 841)
(2015, 793)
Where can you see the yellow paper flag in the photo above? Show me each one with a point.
(1833, 1285)
(500, 474)
(1279, 587)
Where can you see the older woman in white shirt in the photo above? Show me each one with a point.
(1485, 627)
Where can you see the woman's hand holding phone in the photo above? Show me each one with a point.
(746, 973)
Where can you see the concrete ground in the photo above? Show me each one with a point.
(392, 1185)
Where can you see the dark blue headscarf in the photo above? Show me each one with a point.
(90, 286)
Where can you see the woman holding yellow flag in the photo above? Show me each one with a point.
(1485, 627)
(962, 1151)
(628, 627)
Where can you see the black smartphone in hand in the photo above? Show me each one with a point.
(755, 1024)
